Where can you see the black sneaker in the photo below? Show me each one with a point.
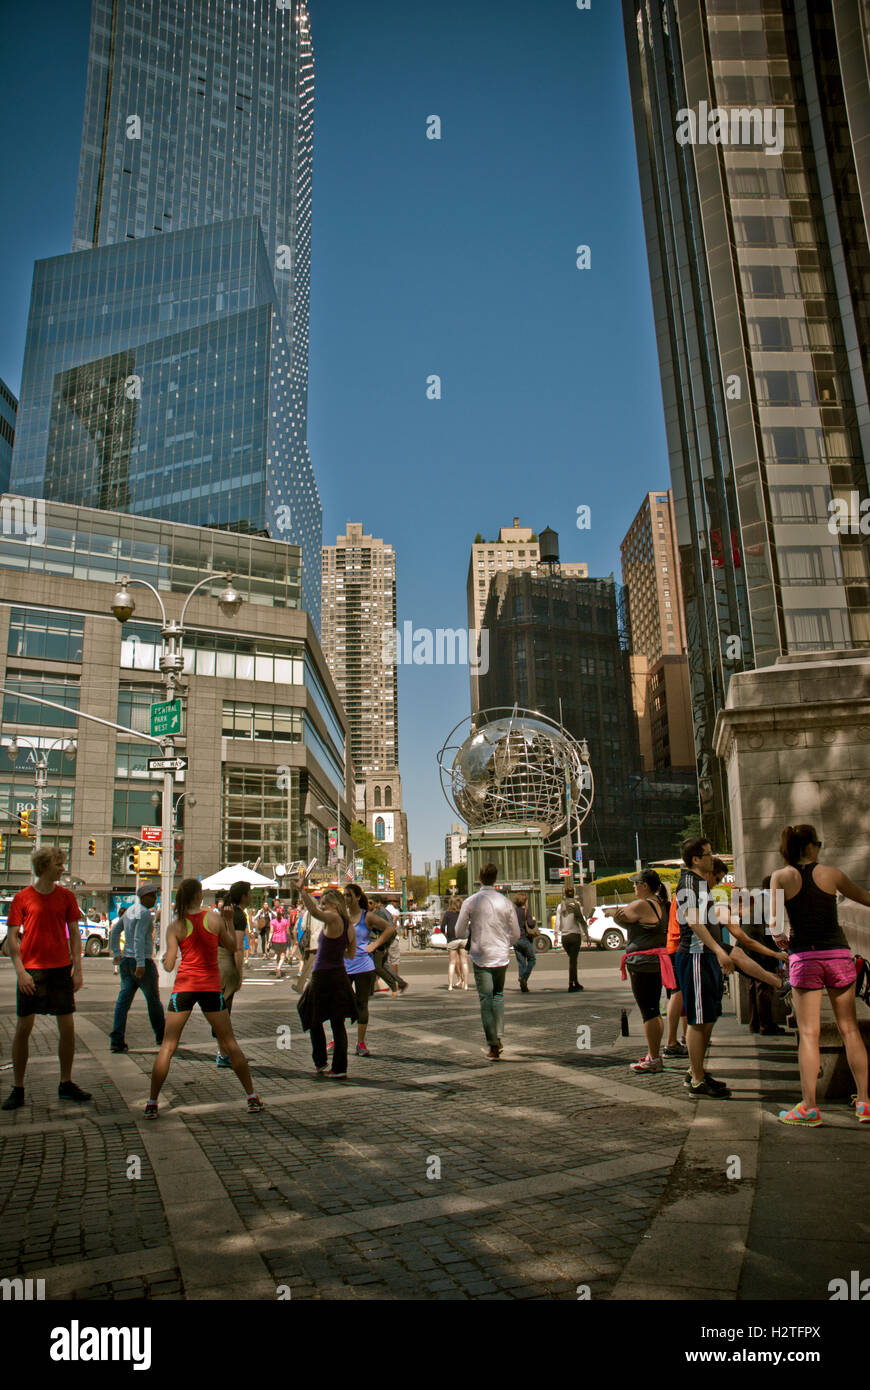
(68, 1090)
(708, 1087)
(113, 1047)
(14, 1099)
(710, 1081)
(524, 987)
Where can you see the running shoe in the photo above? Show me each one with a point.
(122, 1048)
(862, 1112)
(403, 987)
(224, 1061)
(674, 1051)
(710, 1080)
(648, 1063)
(14, 1099)
(336, 1075)
(500, 1046)
(362, 1050)
(68, 1090)
(493, 1054)
(800, 1115)
(255, 1105)
(321, 1069)
(705, 1089)
(151, 1110)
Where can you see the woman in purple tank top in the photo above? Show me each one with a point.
(329, 995)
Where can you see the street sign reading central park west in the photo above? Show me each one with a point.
(166, 718)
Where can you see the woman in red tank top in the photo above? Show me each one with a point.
(196, 932)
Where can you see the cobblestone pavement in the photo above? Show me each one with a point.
(430, 1173)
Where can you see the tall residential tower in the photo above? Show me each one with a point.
(359, 614)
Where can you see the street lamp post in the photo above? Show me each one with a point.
(172, 667)
(40, 769)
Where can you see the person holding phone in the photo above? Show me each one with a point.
(329, 995)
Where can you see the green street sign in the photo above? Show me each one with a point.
(166, 718)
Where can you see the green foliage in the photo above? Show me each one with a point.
(371, 851)
(478, 540)
(692, 830)
(457, 871)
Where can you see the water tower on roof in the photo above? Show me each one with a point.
(548, 550)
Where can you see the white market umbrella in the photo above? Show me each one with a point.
(236, 873)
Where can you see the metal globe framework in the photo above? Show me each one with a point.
(514, 766)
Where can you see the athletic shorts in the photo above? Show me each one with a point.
(701, 981)
(53, 995)
(460, 944)
(182, 1001)
(821, 969)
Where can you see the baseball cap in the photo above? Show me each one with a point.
(149, 886)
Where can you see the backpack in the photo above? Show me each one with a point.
(673, 927)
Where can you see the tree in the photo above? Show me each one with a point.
(478, 540)
(373, 854)
(415, 886)
(457, 871)
(692, 830)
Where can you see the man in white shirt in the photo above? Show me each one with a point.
(494, 929)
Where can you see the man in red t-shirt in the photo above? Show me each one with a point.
(48, 963)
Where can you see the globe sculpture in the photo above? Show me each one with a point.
(514, 766)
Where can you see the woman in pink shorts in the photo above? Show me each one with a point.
(819, 958)
(278, 939)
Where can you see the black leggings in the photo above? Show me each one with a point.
(646, 986)
(572, 945)
(363, 984)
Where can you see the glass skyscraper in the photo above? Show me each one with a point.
(166, 364)
(8, 415)
(752, 123)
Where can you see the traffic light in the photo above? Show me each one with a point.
(134, 858)
(392, 878)
(1, 844)
(24, 823)
(92, 847)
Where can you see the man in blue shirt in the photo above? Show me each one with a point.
(138, 970)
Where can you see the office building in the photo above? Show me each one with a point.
(358, 605)
(751, 121)
(263, 726)
(8, 414)
(180, 406)
(555, 646)
(517, 548)
(660, 669)
(166, 363)
(455, 851)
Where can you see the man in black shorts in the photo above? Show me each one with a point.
(48, 964)
(699, 963)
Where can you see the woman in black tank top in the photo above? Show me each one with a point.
(647, 922)
(819, 958)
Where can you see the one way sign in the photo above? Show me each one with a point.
(167, 764)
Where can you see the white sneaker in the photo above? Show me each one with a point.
(648, 1063)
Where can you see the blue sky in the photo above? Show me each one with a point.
(453, 257)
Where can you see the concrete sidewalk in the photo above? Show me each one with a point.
(755, 1209)
(431, 1173)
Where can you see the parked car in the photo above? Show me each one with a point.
(94, 935)
(604, 932)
